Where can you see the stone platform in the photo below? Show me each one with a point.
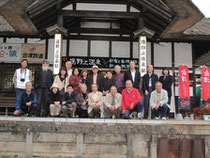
(96, 138)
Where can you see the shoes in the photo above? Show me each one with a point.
(157, 118)
(139, 115)
(163, 118)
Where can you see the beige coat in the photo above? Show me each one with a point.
(94, 98)
(61, 84)
(118, 100)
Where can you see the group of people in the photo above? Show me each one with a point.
(91, 95)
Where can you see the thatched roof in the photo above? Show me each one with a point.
(13, 11)
(187, 15)
(5, 26)
(200, 28)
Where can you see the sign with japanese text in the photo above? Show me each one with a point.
(100, 62)
(57, 53)
(205, 84)
(10, 52)
(34, 53)
(184, 87)
(142, 55)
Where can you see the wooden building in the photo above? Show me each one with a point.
(98, 29)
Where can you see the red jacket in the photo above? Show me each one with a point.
(129, 98)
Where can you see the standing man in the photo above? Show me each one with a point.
(21, 77)
(131, 101)
(148, 85)
(158, 101)
(133, 75)
(119, 79)
(95, 78)
(69, 68)
(43, 82)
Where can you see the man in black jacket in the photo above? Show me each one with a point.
(148, 85)
(43, 82)
(133, 75)
(95, 78)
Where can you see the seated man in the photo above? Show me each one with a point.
(131, 101)
(82, 102)
(55, 101)
(158, 101)
(69, 104)
(26, 103)
(95, 102)
(112, 103)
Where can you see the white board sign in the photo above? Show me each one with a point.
(142, 55)
(57, 53)
(10, 52)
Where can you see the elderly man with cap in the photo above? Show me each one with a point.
(95, 78)
(43, 82)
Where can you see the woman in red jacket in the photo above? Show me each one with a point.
(75, 80)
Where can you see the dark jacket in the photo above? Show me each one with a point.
(107, 84)
(53, 97)
(100, 80)
(145, 83)
(24, 98)
(43, 79)
(167, 82)
(70, 98)
(136, 82)
(81, 99)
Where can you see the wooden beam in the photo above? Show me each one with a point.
(101, 14)
(100, 31)
(103, 1)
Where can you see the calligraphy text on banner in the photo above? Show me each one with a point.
(100, 62)
(34, 53)
(206, 84)
(10, 52)
(184, 87)
(142, 55)
(57, 53)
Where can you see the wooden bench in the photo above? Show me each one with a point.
(7, 102)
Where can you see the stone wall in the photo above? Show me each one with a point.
(94, 138)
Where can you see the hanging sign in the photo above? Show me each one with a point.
(34, 53)
(206, 84)
(184, 87)
(142, 55)
(10, 52)
(57, 53)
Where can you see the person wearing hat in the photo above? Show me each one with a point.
(95, 78)
(43, 82)
(55, 100)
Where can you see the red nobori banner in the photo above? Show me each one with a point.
(184, 85)
(205, 83)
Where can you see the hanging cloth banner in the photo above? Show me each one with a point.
(206, 84)
(184, 87)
